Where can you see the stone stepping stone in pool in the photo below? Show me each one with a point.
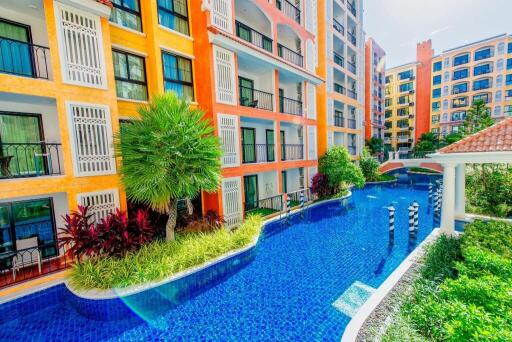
(353, 298)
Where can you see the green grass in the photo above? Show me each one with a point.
(262, 211)
(161, 259)
(464, 292)
(385, 178)
(422, 170)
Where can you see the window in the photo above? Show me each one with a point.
(438, 66)
(499, 64)
(402, 123)
(130, 76)
(446, 104)
(509, 64)
(460, 102)
(436, 80)
(446, 77)
(178, 75)
(460, 88)
(507, 110)
(174, 15)
(404, 99)
(508, 79)
(508, 93)
(435, 119)
(482, 84)
(462, 59)
(126, 13)
(404, 111)
(388, 79)
(436, 93)
(15, 50)
(459, 115)
(405, 75)
(388, 113)
(498, 96)
(497, 111)
(405, 87)
(436, 106)
(482, 69)
(484, 97)
(460, 74)
(483, 54)
(388, 102)
(509, 49)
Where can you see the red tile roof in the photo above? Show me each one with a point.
(497, 138)
(105, 2)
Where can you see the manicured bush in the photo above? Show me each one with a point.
(115, 235)
(161, 259)
(369, 166)
(440, 259)
(490, 236)
(339, 168)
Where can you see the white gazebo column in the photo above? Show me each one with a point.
(460, 190)
(448, 208)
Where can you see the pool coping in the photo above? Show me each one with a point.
(357, 322)
(382, 182)
(98, 294)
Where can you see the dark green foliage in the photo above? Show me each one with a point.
(478, 117)
(375, 145)
(492, 236)
(369, 166)
(339, 168)
(440, 259)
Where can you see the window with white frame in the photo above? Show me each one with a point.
(100, 203)
(81, 46)
(91, 134)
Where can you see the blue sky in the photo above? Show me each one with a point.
(397, 25)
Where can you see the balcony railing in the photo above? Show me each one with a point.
(352, 94)
(290, 55)
(351, 123)
(290, 106)
(250, 97)
(19, 160)
(254, 37)
(352, 150)
(266, 206)
(339, 88)
(351, 8)
(295, 197)
(339, 60)
(292, 152)
(258, 153)
(352, 38)
(24, 59)
(338, 26)
(352, 67)
(289, 9)
(339, 120)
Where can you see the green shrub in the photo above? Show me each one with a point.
(161, 259)
(491, 236)
(440, 259)
(369, 166)
(339, 168)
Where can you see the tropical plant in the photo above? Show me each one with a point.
(210, 221)
(169, 154)
(451, 138)
(428, 142)
(320, 186)
(375, 145)
(115, 235)
(339, 168)
(478, 117)
(369, 166)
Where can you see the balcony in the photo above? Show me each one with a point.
(258, 153)
(24, 59)
(290, 55)
(289, 10)
(254, 37)
(20, 160)
(351, 8)
(290, 106)
(339, 60)
(352, 94)
(265, 206)
(352, 67)
(351, 123)
(254, 98)
(352, 38)
(292, 151)
(338, 26)
(338, 88)
(339, 120)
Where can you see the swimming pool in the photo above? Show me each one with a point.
(295, 285)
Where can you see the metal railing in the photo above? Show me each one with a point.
(295, 196)
(339, 120)
(292, 152)
(290, 55)
(352, 150)
(338, 26)
(351, 8)
(352, 38)
(351, 123)
(289, 9)
(352, 94)
(254, 37)
(339, 88)
(258, 153)
(29, 263)
(352, 67)
(290, 106)
(272, 204)
(24, 59)
(254, 98)
(30, 160)
(338, 60)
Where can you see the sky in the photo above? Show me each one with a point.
(397, 25)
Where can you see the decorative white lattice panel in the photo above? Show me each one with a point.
(222, 15)
(228, 133)
(91, 134)
(224, 69)
(312, 152)
(232, 201)
(100, 203)
(81, 47)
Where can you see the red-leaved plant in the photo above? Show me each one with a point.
(320, 185)
(115, 235)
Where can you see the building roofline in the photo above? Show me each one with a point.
(401, 66)
(503, 35)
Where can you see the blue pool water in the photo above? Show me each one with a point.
(284, 289)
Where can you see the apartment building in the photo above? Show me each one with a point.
(477, 71)
(407, 100)
(341, 63)
(257, 83)
(375, 66)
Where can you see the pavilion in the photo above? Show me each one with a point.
(492, 145)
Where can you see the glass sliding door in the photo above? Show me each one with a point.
(246, 92)
(248, 145)
(251, 192)
(283, 143)
(21, 151)
(5, 229)
(284, 182)
(270, 145)
(15, 52)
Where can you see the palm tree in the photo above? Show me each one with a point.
(169, 154)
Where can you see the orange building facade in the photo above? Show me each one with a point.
(375, 66)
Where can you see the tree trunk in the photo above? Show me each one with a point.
(171, 221)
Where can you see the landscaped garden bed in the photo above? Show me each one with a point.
(460, 291)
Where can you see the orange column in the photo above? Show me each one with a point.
(424, 54)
